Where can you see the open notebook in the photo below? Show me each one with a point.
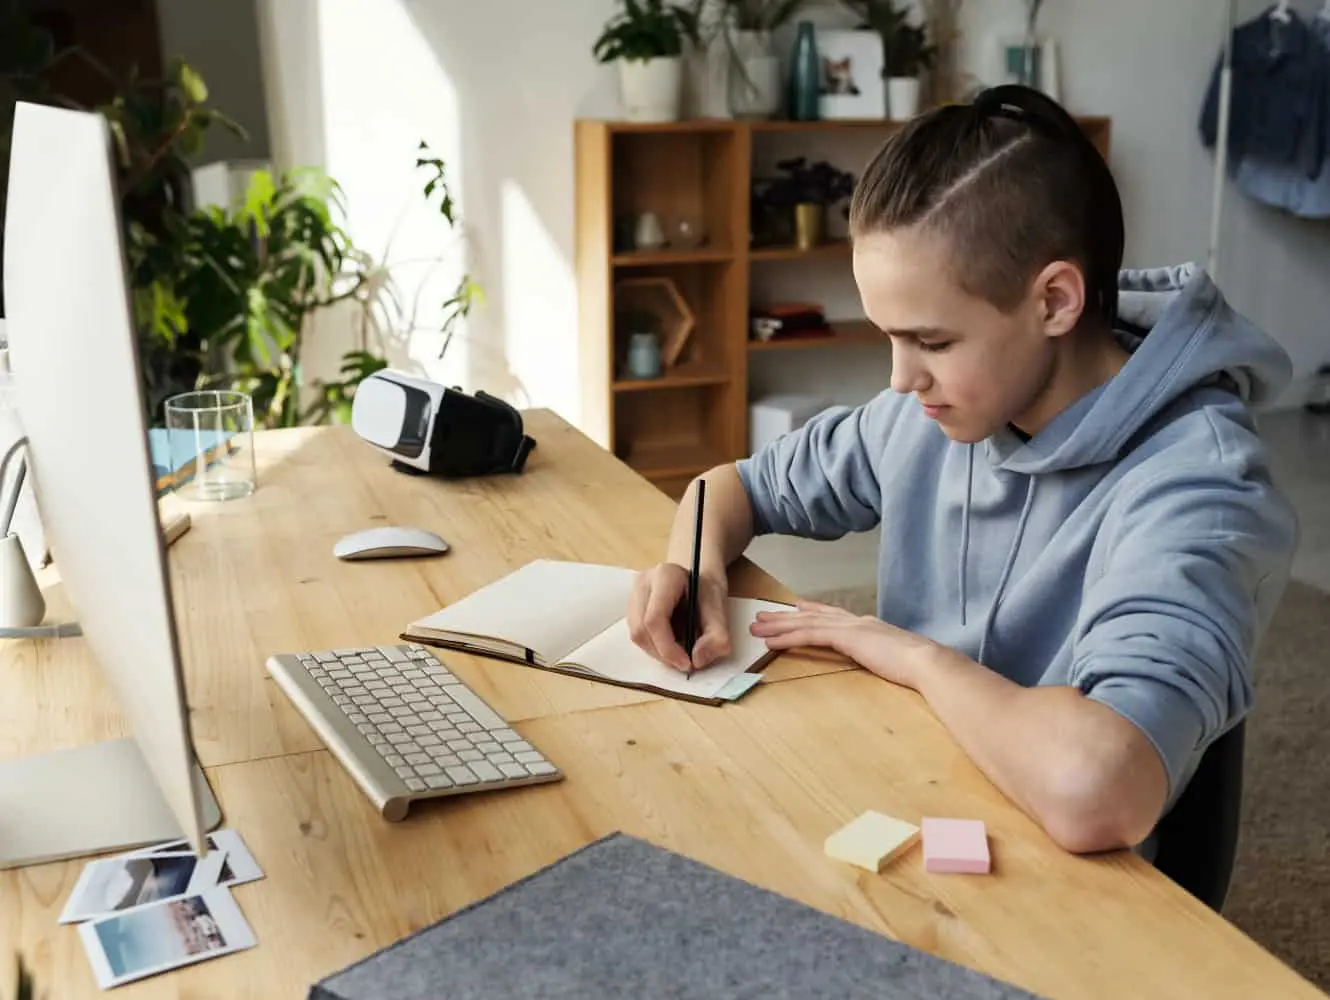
(571, 617)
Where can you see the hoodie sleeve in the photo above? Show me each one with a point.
(1198, 560)
(821, 480)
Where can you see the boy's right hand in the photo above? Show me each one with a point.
(658, 595)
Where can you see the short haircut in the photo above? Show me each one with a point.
(1012, 182)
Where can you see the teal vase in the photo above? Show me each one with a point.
(805, 75)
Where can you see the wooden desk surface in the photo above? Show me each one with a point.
(751, 788)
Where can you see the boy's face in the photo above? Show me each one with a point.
(972, 367)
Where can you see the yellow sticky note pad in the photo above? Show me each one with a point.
(871, 840)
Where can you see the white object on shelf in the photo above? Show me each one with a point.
(652, 89)
(771, 416)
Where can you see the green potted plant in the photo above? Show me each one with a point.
(646, 39)
(906, 52)
(804, 192)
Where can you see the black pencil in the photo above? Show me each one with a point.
(690, 633)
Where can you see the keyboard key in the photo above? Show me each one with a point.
(462, 775)
(415, 784)
(365, 728)
(394, 761)
(393, 703)
(468, 727)
(470, 755)
(499, 759)
(359, 720)
(513, 770)
(417, 758)
(431, 716)
(405, 772)
(459, 744)
(456, 717)
(440, 780)
(529, 757)
(397, 739)
(505, 736)
(375, 740)
(401, 712)
(488, 748)
(519, 748)
(486, 771)
(444, 758)
(425, 770)
(428, 741)
(325, 657)
(544, 767)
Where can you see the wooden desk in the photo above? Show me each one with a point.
(751, 788)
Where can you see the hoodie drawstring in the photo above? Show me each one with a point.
(1006, 570)
(965, 528)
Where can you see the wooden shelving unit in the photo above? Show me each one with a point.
(695, 414)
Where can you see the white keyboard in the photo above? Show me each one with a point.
(404, 726)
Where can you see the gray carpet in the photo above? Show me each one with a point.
(1280, 894)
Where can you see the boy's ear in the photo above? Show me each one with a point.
(1060, 291)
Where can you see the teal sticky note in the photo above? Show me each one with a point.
(738, 686)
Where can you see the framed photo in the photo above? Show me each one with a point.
(1042, 64)
(851, 84)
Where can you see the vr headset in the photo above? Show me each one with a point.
(426, 428)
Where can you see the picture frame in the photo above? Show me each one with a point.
(850, 82)
(1011, 64)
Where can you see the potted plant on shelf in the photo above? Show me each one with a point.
(647, 39)
(755, 90)
(802, 195)
(906, 52)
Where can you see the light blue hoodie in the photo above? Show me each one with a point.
(1134, 548)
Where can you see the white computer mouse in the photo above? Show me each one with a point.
(389, 542)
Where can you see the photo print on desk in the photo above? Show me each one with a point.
(166, 935)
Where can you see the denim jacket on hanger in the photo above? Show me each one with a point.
(1277, 110)
(1287, 185)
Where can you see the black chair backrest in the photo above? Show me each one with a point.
(1197, 840)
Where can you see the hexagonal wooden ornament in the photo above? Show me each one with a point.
(660, 298)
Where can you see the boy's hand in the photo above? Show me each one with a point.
(890, 652)
(659, 599)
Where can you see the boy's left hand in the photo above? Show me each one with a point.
(890, 652)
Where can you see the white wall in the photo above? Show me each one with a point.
(495, 86)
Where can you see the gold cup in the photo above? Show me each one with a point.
(809, 224)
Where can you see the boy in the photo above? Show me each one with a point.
(1081, 543)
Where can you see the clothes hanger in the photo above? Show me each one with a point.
(1281, 12)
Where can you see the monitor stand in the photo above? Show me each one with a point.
(84, 801)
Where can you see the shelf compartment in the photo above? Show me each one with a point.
(677, 175)
(844, 333)
(671, 434)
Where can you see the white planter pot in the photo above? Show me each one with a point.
(651, 88)
(755, 84)
(902, 97)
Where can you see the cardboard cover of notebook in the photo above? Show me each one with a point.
(624, 918)
(571, 617)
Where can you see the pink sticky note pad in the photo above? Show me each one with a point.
(955, 845)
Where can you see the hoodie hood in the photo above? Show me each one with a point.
(1181, 334)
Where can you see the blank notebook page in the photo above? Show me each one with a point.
(614, 654)
(547, 605)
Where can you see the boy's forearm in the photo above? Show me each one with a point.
(1085, 773)
(727, 523)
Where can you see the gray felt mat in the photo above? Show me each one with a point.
(623, 918)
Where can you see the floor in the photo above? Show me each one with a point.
(1300, 453)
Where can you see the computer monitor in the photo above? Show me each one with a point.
(75, 361)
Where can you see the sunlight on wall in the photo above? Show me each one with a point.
(540, 307)
(383, 92)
